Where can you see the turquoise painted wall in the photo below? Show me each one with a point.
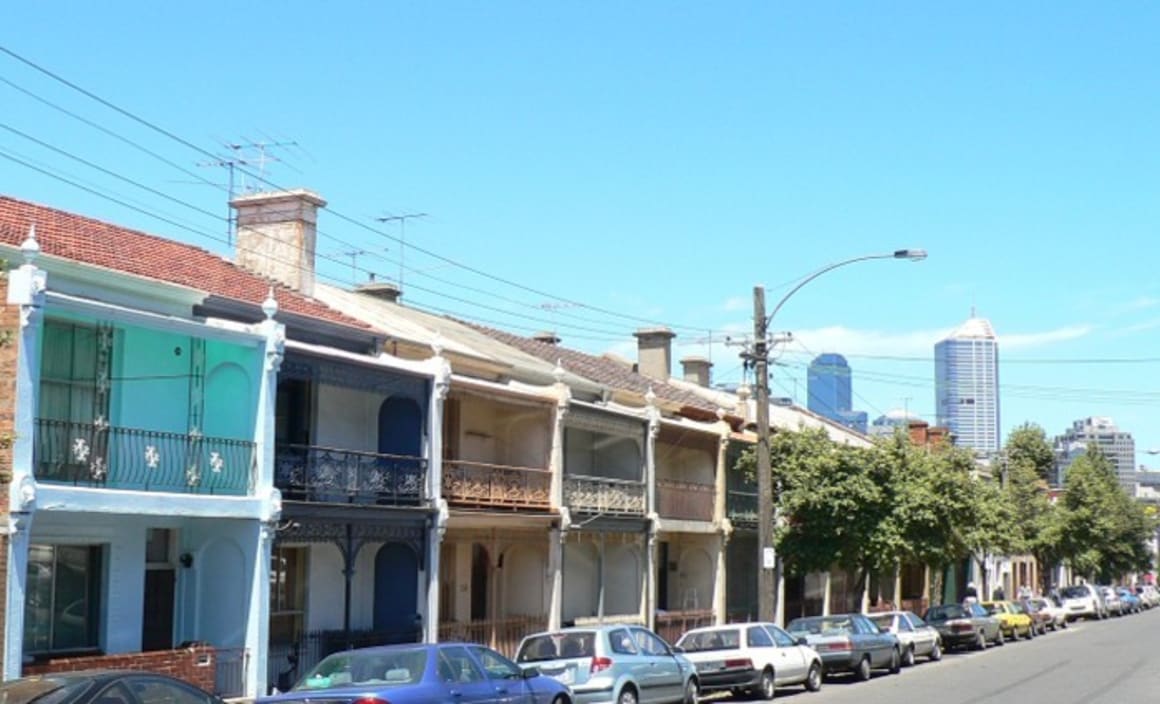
(150, 380)
(233, 375)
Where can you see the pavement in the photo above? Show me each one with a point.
(1092, 662)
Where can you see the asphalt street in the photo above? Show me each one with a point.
(1108, 662)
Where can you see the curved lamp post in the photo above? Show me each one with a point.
(769, 606)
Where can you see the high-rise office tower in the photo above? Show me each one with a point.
(1115, 444)
(966, 378)
(829, 389)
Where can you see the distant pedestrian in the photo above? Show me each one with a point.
(971, 594)
(998, 594)
(1024, 591)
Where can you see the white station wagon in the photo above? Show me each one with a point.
(750, 658)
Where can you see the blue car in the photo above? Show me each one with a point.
(1132, 603)
(420, 674)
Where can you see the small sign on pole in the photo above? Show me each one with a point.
(767, 558)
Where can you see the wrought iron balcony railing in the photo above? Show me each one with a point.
(331, 475)
(99, 455)
(617, 497)
(688, 501)
(741, 505)
(496, 486)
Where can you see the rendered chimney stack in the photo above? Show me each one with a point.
(698, 370)
(382, 290)
(276, 236)
(547, 336)
(654, 352)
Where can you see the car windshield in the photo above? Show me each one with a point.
(824, 626)
(554, 646)
(1074, 592)
(716, 639)
(946, 613)
(993, 608)
(42, 690)
(355, 668)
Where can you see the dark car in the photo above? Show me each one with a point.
(849, 643)
(964, 626)
(423, 673)
(102, 687)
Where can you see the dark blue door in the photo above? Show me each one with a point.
(400, 427)
(397, 593)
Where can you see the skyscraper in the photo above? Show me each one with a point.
(829, 389)
(1117, 445)
(966, 380)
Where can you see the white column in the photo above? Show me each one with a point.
(827, 592)
(258, 624)
(897, 587)
(650, 584)
(437, 528)
(724, 528)
(558, 535)
(720, 583)
(556, 539)
(649, 603)
(26, 286)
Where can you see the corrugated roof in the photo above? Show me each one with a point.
(101, 244)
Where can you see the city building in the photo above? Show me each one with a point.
(966, 370)
(1117, 445)
(891, 420)
(829, 387)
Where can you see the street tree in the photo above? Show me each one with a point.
(1028, 445)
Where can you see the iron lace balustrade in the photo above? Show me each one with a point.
(741, 505)
(616, 497)
(688, 501)
(496, 486)
(331, 475)
(99, 455)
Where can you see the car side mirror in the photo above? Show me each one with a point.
(530, 673)
(801, 640)
(678, 649)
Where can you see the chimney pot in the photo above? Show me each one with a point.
(698, 370)
(547, 336)
(654, 352)
(382, 290)
(276, 235)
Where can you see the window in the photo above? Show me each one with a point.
(457, 667)
(73, 358)
(783, 639)
(620, 642)
(287, 594)
(62, 598)
(152, 690)
(756, 637)
(117, 694)
(648, 643)
(915, 620)
(495, 665)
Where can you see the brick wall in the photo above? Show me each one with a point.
(195, 664)
(9, 336)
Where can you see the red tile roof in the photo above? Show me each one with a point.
(102, 244)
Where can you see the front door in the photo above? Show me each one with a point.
(397, 593)
(157, 613)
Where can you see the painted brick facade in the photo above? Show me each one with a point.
(194, 665)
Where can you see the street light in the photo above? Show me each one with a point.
(769, 608)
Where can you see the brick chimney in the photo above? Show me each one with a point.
(276, 236)
(654, 352)
(382, 290)
(697, 370)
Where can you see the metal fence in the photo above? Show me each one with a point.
(333, 475)
(671, 625)
(229, 676)
(503, 635)
(286, 663)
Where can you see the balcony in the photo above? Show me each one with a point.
(99, 455)
(602, 495)
(336, 476)
(741, 505)
(686, 501)
(480, 485)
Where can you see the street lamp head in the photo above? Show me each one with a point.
(914, 255)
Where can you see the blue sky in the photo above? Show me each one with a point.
(656, 160)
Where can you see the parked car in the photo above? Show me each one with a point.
(1112, 602)
(964, 626)
(93, 686)
(1041, 621)
(752, 659)
(611, 664)
(917, 637)
(1054, 611)
(1131, 602)
(849, 643)
(1148, 594)
(1083, 601)
(415, 674)
(1013, 621)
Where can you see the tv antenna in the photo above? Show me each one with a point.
(245, 153)
(402, 220)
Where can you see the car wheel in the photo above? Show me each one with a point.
(908, 657)
(863, 670)
(981, 641)
(936, 652)
(627, 696)
(814, 678)
(691, 691)
(1000, 639)
(895, 662)
(1066, 623)
(560, 699)
(768, 687)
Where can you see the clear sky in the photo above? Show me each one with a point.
(655, 160)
